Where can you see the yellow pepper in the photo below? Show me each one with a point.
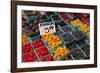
(76, 22)
(84, 28)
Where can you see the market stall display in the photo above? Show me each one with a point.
(69, 42)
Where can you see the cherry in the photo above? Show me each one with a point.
(30, 57)
(38, 43)
(42, 52)
(48, 58)
(27, 48)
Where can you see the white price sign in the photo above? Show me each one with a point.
(47, 28)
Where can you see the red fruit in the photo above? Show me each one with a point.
(42, 52)
(68, 20)
(30, 57)
(48, 58)
(31, 54)
(42, 44)
(27, 48)
(34, 57)
(38, 43)
(86, 21)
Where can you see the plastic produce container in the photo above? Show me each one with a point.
(67, 38)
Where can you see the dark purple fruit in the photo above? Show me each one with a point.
(77, 34)
(67, 37)
(77, 54)
(86, 49)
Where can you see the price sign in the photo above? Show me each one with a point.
(47, 28)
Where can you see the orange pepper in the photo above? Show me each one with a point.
(24, 39)
(62, 51)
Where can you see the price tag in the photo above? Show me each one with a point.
(47, 28)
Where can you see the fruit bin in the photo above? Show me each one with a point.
(67, 38)
(59, 31)
(86, 49)
(76, 52)
(44, 18)
(65, 17)
(38, 52)
(30, 57)
(65, 27)
(48, 58)
(62, 53)
(56, 18)
(74, 38)
(78, 35)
